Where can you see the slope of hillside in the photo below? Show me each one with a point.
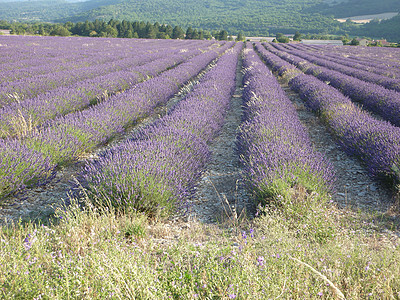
(251, 16)
(388, 29)
(343, 9)
(45, 10)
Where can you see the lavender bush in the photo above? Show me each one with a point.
(157, 169)
(370, 65)
(69, 137)
(64, 100)
(277, 153)
(373, 97)
(33, 169)
(375, 142)
(352, 71)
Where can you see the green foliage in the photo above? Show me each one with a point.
(297, 36)
(281, 38)
(112, 28)
(253, 17)
(60, 31)
(352, 8)
(354, 42)
(240, 37)
(388, 29)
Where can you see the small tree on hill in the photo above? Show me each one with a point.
(177, 33)
(60, 30)
(354, 42)
(281, 38)
(189, 33)
(240, 37)
(222, 35)
(297, 36)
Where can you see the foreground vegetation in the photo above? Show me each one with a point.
(297, 249)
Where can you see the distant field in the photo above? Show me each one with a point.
(367, 18)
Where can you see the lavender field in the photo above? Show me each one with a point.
(59, 106)
(301, 135)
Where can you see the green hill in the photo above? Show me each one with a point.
(351, 8)
(388, 29)
(254, 17)
(46, 10)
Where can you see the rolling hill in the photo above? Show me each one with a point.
(253, 17)
(348, 8)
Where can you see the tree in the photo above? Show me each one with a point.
(60, 30)
(169, 30)
(240, 37)
(297, 36)
(177, 33)
(281, 38)
(189, 33)
(354, 42)
(109, 31)
(162, 35)
(151, 31)
(222, 35)
(207, 35)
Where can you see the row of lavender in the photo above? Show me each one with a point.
(25, 88)
(157, 169)
(352, 71)
(385, 56)
(375, 142)
(326, 57)
(29, 66)
(64, 100)
(34, 160)
(25, 51)
(21, 53)
(63, 74)
(277, 153)
(373, 97)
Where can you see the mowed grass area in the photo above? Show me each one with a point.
(292, 250)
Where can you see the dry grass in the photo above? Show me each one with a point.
(19, 126)
(96, 253)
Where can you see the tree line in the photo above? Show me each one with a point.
(114, 28)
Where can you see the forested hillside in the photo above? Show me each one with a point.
(388, 29)
(356, 8)
(46, 10)
(251, 16)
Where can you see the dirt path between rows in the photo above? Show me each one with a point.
(221, 193)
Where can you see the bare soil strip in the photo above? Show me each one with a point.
(221, 193)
